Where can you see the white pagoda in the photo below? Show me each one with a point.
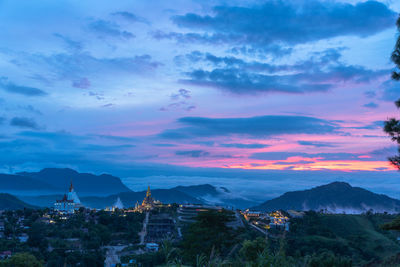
(69, 203)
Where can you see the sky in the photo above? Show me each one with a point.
(290, 94)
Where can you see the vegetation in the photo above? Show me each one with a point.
(315, 240)
(21, 260)
(351, 238)
(392, 125)
(10, 202)
(77, 240)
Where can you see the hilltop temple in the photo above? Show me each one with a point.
(69, 203)
(148, 202)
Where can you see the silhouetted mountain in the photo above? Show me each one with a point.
(128, 198)
(10, 202)
(202, 194)
(9, 183)
(215, 195)
(336, 197)
(84, 183)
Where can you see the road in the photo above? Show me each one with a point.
(143, 233)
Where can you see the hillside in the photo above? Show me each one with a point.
(357, 237)
(84, 183)
(10, 202)
(336, 197)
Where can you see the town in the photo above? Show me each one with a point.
(116, 235)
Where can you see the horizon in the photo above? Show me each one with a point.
(268, 102)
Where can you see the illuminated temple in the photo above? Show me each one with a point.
(69, 203)
(148, 202)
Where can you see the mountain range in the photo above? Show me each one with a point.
(53, 180)
(99, 191)
(336, 197)
(199, 194)
(10, 202)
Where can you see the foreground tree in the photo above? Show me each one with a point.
(392, 125)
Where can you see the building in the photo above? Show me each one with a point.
(69, 203)
(148, 202)
(117, 205)
(152, 247)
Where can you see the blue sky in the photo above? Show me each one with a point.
(174, 87)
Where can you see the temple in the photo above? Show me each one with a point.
(117, 205)
(69, 203)
(148, 202)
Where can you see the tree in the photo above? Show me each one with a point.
(392, 125)
(21, 260)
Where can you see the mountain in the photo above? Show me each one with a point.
(129, 199)
(12, 183)
(336, 197)
(216, 195)
(84, 183)
(10, 202)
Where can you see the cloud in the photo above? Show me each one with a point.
(287, 22)
(130, 17)
(391, 90)
(251, 126)
(20, 89)
(109, 29)
(82, 83)
(182, 93)
(165, 145)
(24, 122)
(179, 101)
(239, 82)
(71, 45)
(75, 66)
(192, 153)
(250, 146)
(321, 72)
(371, 105)
(31, 109)
(321, 156)
(316, 144)
(370, 94)
(371, 126)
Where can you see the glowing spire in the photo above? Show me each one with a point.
(148, 194)
(71, 187)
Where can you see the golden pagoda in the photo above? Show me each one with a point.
(148, 201)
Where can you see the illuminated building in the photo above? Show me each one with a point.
(148, 202)
(69, 203)
(117, 205)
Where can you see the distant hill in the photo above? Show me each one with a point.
(84, 183)
(128, 198)
(9, 183)
(105, 189)
(216, 195)
(336, 197)
(10, 202)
